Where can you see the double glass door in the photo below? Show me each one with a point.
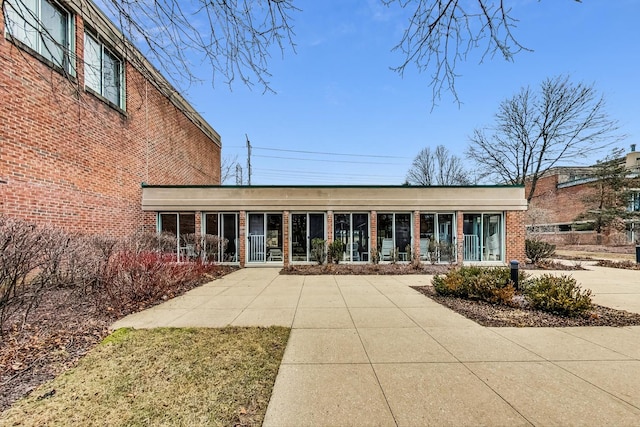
(304, 228)
(265, 237)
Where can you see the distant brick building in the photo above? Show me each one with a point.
(559, 198)
(85, 120)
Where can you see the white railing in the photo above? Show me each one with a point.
(256, 247)
(471, 247)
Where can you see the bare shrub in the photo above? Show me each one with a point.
(213, 247)
(143, 241)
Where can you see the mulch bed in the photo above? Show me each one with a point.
(402, 268)
(627, 265)
(492, 315)
(59, 331)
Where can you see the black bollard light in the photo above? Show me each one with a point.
(514, 273)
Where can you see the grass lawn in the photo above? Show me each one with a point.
(163, 377)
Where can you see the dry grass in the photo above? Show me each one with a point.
(163, 377)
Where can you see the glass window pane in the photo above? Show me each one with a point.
(54, 33)
(230, 233)
(342, 230)
(111, 77)
(403, 232)
(299, 237)
(492, 235)
(360, 242)
(22, 21)
(446, 229)
(169, 223)
(92, 64)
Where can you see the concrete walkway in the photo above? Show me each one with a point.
(369, 350)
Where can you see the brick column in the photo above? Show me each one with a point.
(416, 234)
(329, 227)
(242, 238)
(285, 238)
(515, 233)
(374, 234)
(459, 236)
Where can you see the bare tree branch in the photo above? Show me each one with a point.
(437, 168)
(533, 132)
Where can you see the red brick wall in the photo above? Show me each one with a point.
(560, 205)
(69, 160)
(515, 235)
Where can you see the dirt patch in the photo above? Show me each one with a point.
(60, 330)
(492, 315)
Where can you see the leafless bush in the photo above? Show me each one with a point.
(20, 262)
(147, 241)
(214, 247)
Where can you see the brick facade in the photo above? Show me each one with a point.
(71, 160)
(515, 236)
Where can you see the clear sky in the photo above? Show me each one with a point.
(338, 94)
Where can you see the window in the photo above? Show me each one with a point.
(352, 229)
(103, 71)
(437, 231)
(221, 236)
(181, 225)
(394, 233)
(634, 203)
(43, 26)
(483, 237)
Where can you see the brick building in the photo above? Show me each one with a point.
(85, 120)
(560, 196)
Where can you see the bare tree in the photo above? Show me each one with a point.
(534, 131)
(234, 38)
(437, 167)
(442, 33)
(228, 168)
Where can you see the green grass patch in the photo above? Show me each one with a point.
(163, 377)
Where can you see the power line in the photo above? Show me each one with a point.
(329, 161)
(331, 154)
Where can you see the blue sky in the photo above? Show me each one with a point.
(338, 94)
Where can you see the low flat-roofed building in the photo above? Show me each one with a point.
(260, 225)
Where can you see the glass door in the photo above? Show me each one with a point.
(305, 228)
(256, 238)
(265, 238)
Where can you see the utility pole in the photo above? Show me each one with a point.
(248, 159)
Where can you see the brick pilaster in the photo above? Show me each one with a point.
(242, 238)
(459, 236)
(286, 244)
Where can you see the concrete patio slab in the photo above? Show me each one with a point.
(620, 340)
(619, 378)
(265, 316)
(321, 300)
(372, 300)
(275, 301)
(327, 395)
(380, 318)
(324, 346)
(479, 344)
(204, 318)
(554, 344)
(438, 316)
(314, 318)
(402, 345)
(546, 394)
(442, 394)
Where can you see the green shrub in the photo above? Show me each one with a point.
(537, 250)
(335, 250)
(558, 294)
(492, 284)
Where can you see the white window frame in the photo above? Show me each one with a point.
(103, 48)
(37, 45)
